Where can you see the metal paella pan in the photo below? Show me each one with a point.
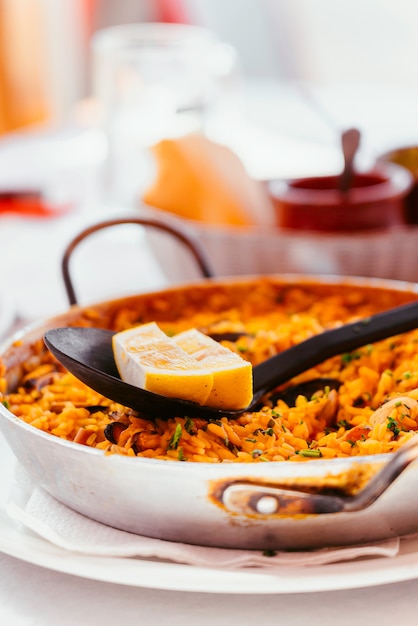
(265, 500)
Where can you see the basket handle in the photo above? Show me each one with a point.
(188, 239)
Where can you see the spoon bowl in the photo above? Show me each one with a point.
(88, 354)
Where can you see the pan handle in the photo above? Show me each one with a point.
(187, 238)
(253, 499)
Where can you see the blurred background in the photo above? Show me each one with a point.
(305, 71)
(45, 57)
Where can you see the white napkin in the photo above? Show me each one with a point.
(47, 517)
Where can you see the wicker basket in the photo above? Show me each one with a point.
(233, 251)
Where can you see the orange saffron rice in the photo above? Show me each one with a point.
(374, 410)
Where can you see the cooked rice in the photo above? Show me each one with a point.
(374, 411)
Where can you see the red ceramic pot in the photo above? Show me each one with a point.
(376, 200)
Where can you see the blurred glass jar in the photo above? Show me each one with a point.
(154, 81)
(406, 157)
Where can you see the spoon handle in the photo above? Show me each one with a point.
(350, 141)
(283, 366)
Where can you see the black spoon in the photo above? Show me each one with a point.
(87, 353)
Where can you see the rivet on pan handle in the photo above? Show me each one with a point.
(186, 237)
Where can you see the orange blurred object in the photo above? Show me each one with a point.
(23, 89)
(201, 180)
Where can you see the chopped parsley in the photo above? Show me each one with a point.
(269, 553)
(189, 426)
(6, 404)
(180, 455)
(267, 431)
(350, 356)
(313, 454)
(393, 426)
(175, 438)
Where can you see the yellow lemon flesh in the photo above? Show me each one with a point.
(232, 386)
(146, 358)
(190, 366)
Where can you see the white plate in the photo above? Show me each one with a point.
(158, 574)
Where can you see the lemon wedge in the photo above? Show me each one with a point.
(232, 386)
(190, 366)
(145, 357)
